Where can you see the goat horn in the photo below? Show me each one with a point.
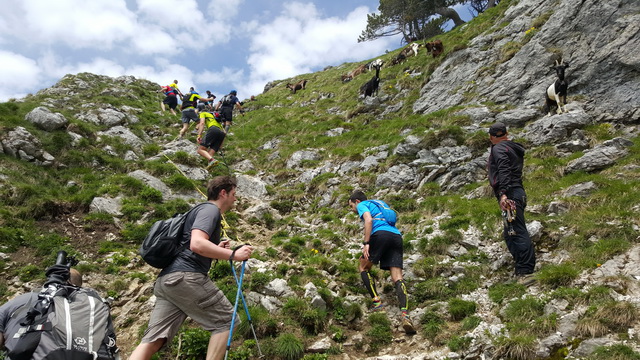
(557, 63)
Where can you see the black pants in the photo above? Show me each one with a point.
(520, 245)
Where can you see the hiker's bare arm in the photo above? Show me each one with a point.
(368, 225)
(201, 245)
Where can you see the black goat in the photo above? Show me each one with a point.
(556, 94)
(371, 87)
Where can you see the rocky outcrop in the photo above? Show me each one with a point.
(609, 34)
(43, 118)
(601, 156)
(127, 136)
(23, 145)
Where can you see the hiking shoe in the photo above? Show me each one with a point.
(407, 325)
(377, 305)
(212, 162)
(525, 279)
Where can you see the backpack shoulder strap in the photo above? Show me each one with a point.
(183, 243)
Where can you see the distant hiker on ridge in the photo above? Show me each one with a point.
(189, 111)
(171, 97)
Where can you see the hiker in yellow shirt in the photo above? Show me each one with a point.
(213, 139)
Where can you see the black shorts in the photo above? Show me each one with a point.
(172, 101)
(213, 138)
(386, 248)
(226, 113)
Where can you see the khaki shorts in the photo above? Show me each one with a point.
(183, 294)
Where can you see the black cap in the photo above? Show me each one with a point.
(498, 130)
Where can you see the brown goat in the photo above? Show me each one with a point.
(300, 85)
(435, 47)
(355, 72)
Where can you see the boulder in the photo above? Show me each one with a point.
(298, 157)
(581, 190)
(152, 182)
(398, 176)
(21, 144)
(517, 117)
(320, 346)
(600, 157)
(251, 187)
(278, 287)
(554, 129)
(43, 118)
(409, 147)
(106, 205)
(125, 134)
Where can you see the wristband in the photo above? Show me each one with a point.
(365, 243)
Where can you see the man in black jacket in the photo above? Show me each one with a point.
(505, 177)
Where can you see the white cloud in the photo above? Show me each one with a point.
(18, 73)
(87, 24)
(299, 41)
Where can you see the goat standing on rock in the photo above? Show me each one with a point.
(556, 94)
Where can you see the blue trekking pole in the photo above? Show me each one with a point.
(240, 296)
(235, 306)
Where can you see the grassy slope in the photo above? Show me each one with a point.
(596, 229)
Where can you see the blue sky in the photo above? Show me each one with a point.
(215, 45)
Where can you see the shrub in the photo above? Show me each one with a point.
(431, 324)
(460, 309)
(458, 343)
(555, 275)
(470, 323)
(380, 332)
(615, 352)
(30, 272)
(516, 348)
(288, 347)
(194, 343)
(500, 292)
(522, 310)
(263, 323)
(151, 195)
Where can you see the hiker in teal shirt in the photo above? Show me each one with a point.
(382, 244)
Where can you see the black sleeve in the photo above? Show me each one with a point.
(503, 162)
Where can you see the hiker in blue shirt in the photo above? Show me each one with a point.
(382, 244)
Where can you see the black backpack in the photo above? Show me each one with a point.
(186, 101)
(66, 322)
(163, 243)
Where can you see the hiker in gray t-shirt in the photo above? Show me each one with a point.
(184, 288)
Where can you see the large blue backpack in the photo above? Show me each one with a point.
(385, 213)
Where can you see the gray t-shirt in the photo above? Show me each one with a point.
(205, 217)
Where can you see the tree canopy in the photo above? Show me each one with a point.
(415, 19)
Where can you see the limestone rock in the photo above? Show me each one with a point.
(398, 176)
(251, 187)
(106, 205)
(298, 157)
(21, 144)
(602, 156)
(43, 118)
(127, 136)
